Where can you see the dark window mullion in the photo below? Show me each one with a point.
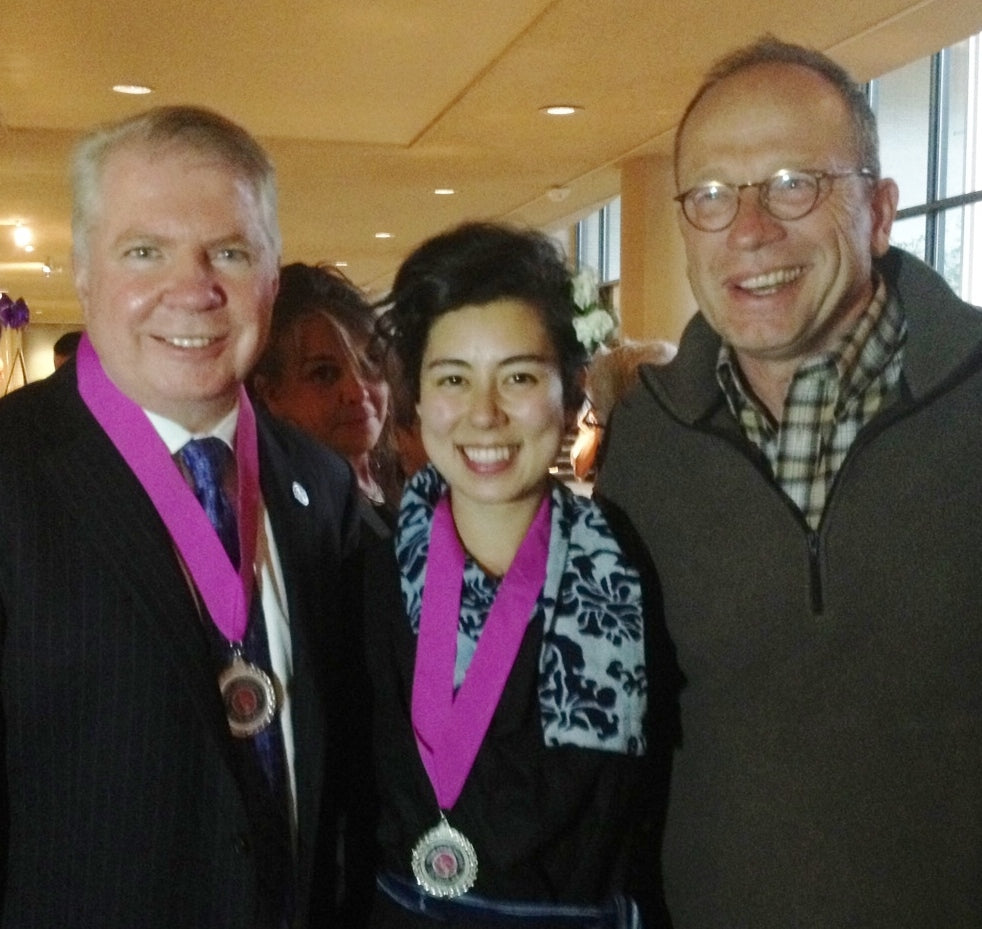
(602, 244)
(940, 206)
(934, 246)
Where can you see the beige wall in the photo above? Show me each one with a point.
(655, 299)
(39, 340)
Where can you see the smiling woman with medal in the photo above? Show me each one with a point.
(522, 690)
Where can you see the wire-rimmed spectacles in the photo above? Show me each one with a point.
(786, 195)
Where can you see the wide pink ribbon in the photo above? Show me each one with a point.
(225, 591)
(450, 727)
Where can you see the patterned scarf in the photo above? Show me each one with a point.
(592, 680)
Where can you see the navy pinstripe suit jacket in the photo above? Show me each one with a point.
(122, 804)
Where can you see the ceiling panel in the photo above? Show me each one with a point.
(367, 105)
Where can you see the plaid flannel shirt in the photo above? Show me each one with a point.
(831, 397)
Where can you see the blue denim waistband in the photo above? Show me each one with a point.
(618, 912)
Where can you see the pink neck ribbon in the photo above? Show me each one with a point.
(450, 727)
(225, 591)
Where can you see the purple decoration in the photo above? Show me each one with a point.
(14, 314)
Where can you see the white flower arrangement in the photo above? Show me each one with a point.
(594, 323)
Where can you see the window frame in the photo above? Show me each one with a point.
(935, 206)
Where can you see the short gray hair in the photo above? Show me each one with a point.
(196, 129)
(770, 50)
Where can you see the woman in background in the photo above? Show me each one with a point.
(522, 688)
(612, 372)
(318, 372)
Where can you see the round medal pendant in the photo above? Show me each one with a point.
(444, 862)
(249, 698)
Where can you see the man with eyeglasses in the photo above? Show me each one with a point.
(805, 477)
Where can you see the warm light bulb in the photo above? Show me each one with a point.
(22, 236)
(562, 109)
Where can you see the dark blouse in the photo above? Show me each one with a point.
(549, 824)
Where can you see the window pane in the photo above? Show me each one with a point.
(612, 265)
(588, 242)
(962, 151)
(902, 106)
(910, 235)
(961, 232)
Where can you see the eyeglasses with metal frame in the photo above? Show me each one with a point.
(785, 195)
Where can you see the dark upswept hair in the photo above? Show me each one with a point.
(194, 128)
(768, 49)
(473, 264)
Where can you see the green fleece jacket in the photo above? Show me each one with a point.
(830, 767)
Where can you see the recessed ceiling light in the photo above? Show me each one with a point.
(444, 191)
(340, 264)
(561, 109)
(133, 89)
(383, 235)
(22, 236)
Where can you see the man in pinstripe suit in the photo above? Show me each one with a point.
(127, 799)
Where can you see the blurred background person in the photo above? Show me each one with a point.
(611, 373)
(318, 372)
(65, 347)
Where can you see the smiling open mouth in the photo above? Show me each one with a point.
(772, 281)
(487, 455)
(189, 341)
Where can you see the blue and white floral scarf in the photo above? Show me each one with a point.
(592, 681)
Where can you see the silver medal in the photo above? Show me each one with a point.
(444, 862)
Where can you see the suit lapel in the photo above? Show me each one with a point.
(292, 516)
(132, 548)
